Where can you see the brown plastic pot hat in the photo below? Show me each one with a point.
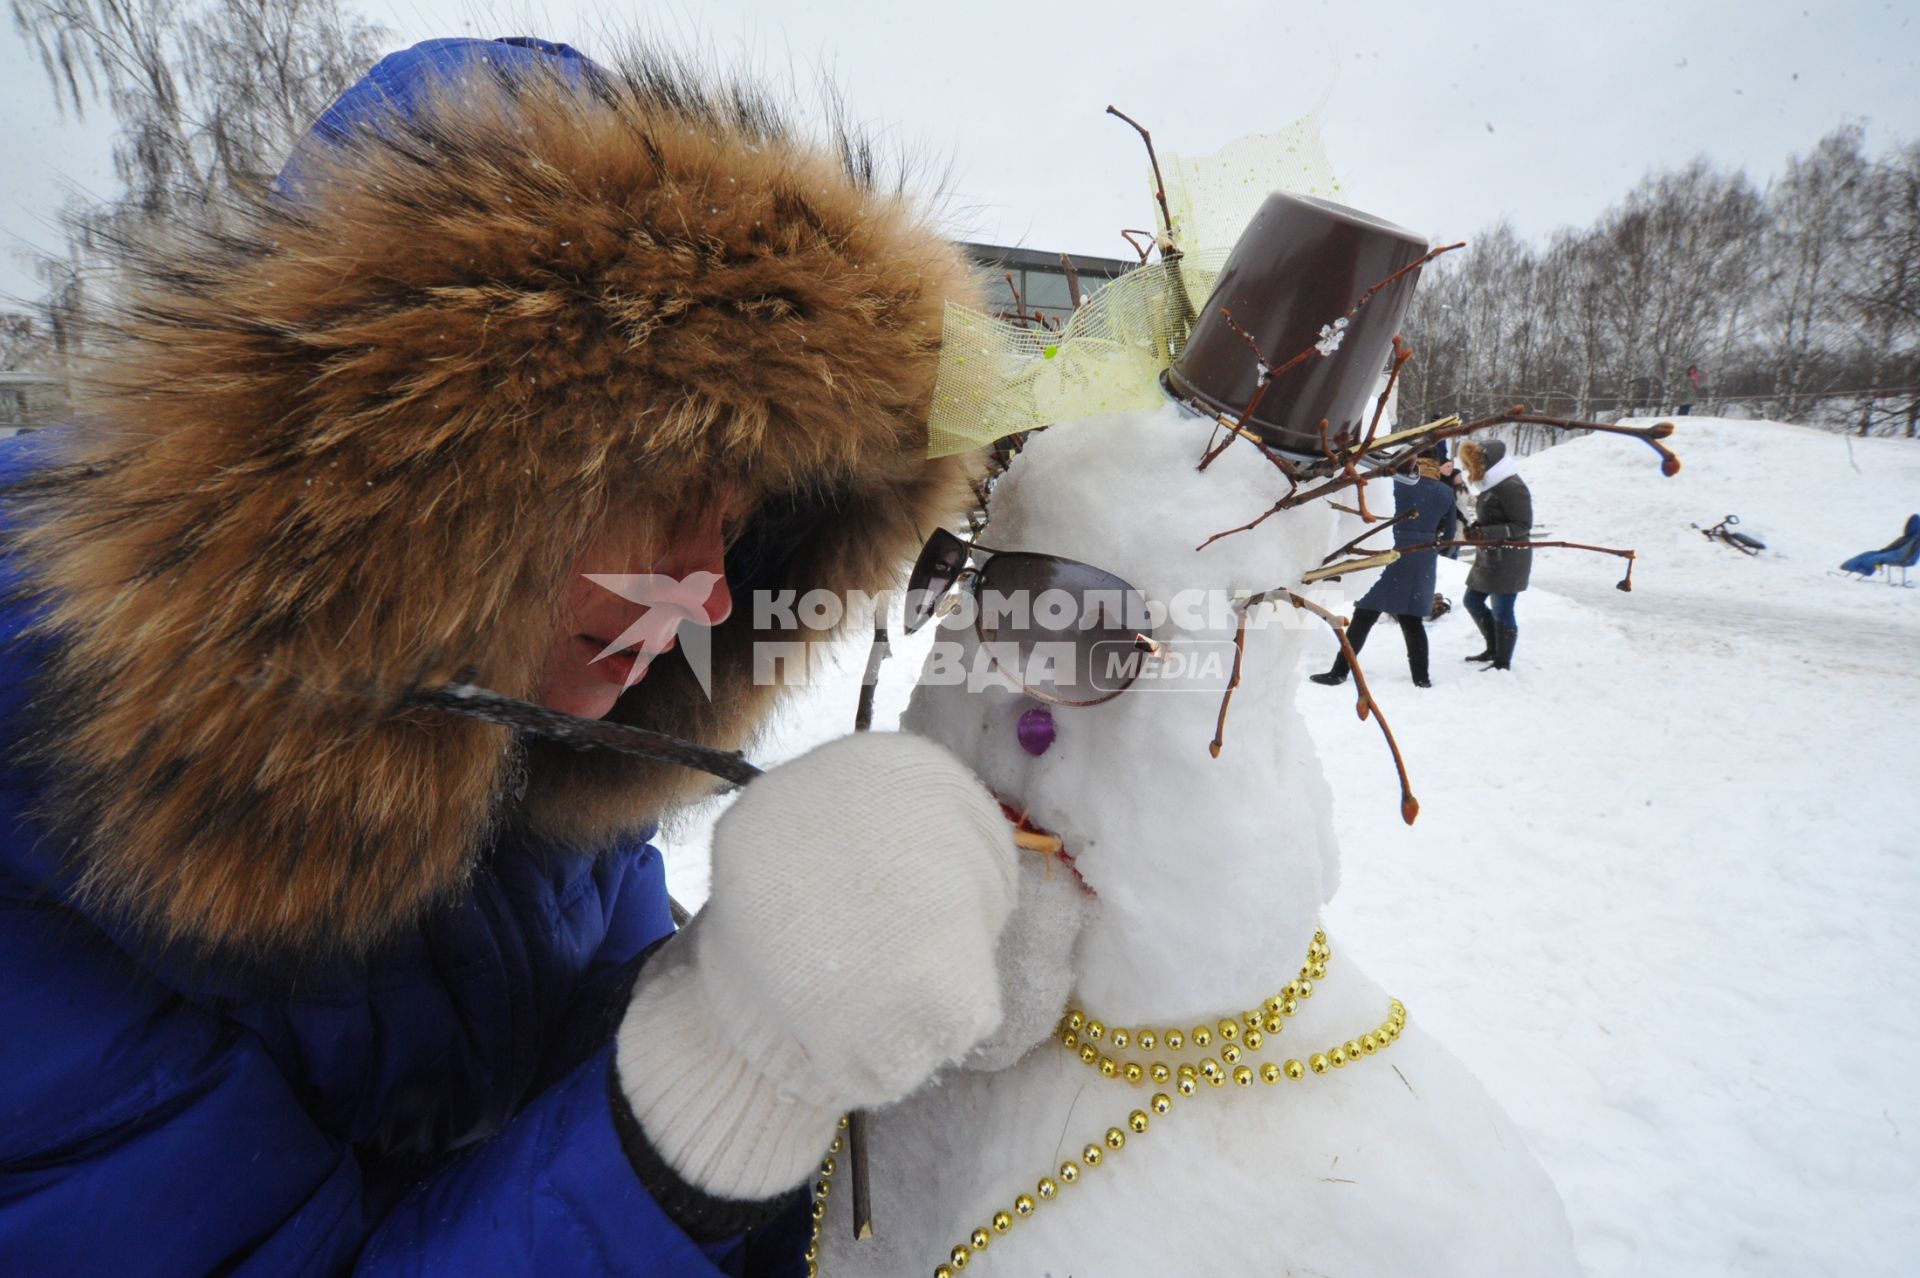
(1299, 267)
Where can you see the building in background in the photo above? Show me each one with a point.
(28, 400)
(1041, 278)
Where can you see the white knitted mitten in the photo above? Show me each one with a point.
(846, 953)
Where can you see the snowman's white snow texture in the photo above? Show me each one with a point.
(1205, 880)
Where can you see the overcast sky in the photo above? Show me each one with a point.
(1440, 117)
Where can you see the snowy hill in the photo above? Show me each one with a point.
(1662, 896)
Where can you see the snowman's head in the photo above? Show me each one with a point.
(1101, 516)
(1184, 850)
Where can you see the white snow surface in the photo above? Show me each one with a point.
(1661, 898)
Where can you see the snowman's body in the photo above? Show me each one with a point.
(1209, 875)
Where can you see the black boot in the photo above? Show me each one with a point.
(1486, 633)
(1504, 638)
(1414, 631)
(1363, 619)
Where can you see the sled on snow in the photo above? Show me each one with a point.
(1724, 532)
(1902, 553)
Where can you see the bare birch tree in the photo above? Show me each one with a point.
(206, 96)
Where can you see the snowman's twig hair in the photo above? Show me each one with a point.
(1402, 352)
(1409, 806)
(1168, 248)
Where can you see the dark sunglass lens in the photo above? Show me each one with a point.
(933, 576)
(1065, 631)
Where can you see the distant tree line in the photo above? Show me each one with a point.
(207, 97)
(1800, 301)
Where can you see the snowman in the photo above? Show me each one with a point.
(1192, 1076)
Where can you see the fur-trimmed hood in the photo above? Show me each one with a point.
(351, 444)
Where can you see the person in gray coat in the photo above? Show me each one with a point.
(1405, 588)
(1503, 513)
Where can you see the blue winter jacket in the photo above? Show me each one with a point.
(442, 1108)
(354, 444)
(1405, 587)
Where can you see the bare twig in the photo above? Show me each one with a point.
(1168, 249)
(1649, 435)
(474, 702)
(1409, 806)
(1128, 233)
(1073, 280)
(1382, 560)
(856, 1121)
(1233, 681)
(870, 680)
(862, 1189)
(1221, 421)
(1402, 352)
(1267, 372)
(1263, 378)
(1020, 315)
(1338, 483)
(1345, 566)
(1409, 267)
(1379, 527)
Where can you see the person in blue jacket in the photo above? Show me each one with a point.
(1423, 503)
(298, 976)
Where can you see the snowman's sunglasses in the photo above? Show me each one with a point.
(1066, 632)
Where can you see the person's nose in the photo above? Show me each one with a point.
(703, 549)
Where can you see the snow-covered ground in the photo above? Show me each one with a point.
(1663, 895)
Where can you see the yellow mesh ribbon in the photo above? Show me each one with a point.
(997, 378)
(1213, 197)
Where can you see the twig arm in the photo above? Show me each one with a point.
(1409, 806)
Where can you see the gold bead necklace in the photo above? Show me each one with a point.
(1084, 1036)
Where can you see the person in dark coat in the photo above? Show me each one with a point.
(298, 976)
(1405, 587)
(1502, 513)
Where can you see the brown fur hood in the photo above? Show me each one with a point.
(342, 449)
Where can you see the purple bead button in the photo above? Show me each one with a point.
(1036, 730)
